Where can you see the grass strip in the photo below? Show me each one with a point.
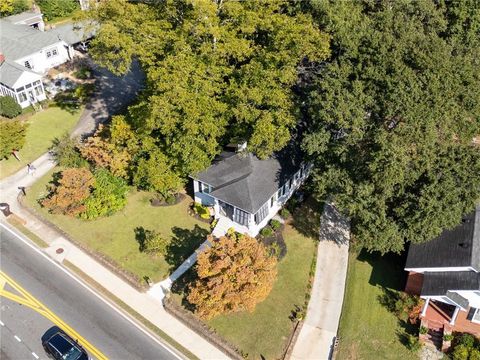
(19, 226)
(139, 318)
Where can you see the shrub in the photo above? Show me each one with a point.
(201, 211)
(424, 330)
(266, 231)
(460, 352)
(466, 339)
(284, 213)
(68, 196)
(408, 307)
(446, 337)
(275, 224)
(109, 195)
(83, 73)
(53, 9)
(12, 136)
(154, 243)
(9, 107)
(11, 7)
(170, 199)
(84, 91)
(474, 354)
(413, 343)
(66, 153)
(213, 224)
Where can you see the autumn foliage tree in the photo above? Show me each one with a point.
(69, 195)
(234, 274)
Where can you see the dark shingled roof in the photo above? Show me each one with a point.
(243, 180)
(439, 283)
(458, 247)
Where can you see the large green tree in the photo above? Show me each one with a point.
(216, 70)
(392, 116)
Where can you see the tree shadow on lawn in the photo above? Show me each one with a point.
(387, 270)
(184, 242)
(306, 218)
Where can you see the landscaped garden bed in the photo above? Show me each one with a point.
(115, 237)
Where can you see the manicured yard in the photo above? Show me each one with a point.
(367, 329)
(114, 236)
(265, 331)
(44, 126)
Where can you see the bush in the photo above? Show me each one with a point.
(109, 195)
(9, 107)
(170, 199)
(275, 224)
(155, 243)
(284, 213)
(446, 337)
(474, 354)
(266, 231)
(83, 73)
(53, 9)
(12, 136)
(424, 330)
(201, 211)
(66, 153)
(12, 7)
(413, 343)
(408, 307)
(460, 352)
(84, 91)
(466, 339)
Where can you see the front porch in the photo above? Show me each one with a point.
(439, 315)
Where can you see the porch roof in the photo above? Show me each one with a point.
(11, 73)
(439, 283)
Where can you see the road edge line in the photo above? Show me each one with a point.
(170, 348)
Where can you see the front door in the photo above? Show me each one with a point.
(226, 209)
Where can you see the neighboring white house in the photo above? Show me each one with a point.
(245, 192)
(28, 52)
(446, 273)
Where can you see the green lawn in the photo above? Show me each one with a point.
(44, 126)
(367, 329)
(265, 331)
(114, 236)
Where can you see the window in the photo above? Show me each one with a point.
(204, 188)
(279, 193)
(241, 217)
(28, 86)
(36, 82)
(51, 53)
(272, 199)
(38, 90)
(27, 64)
(20, 89)
(22, 97)
(261, 214)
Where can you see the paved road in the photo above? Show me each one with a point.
(94, 320)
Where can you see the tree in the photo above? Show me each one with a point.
(12, 136)
(9, 107)
(112, 147)
(53, 9)
(216, 70)
(390, 125)
(234, 274)
(108, 196)
(66, 153)
(151, 241)
(69, 194)
(11, 7)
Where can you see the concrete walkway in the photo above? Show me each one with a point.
(317, 336)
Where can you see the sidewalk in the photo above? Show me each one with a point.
(147, 306)
(317, 336)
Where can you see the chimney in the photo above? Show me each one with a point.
(2, 58)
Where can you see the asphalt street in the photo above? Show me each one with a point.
(22, 328)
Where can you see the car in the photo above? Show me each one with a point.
(60, 346)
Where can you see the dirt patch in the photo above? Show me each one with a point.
(178, 198)
(276, 242)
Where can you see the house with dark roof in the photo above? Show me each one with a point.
(245, 192)
(446, 273)
(27, 52)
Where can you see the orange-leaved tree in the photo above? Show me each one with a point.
(234, 274)
(68, 196)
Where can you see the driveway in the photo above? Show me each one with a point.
(317, 336)
(113, 94)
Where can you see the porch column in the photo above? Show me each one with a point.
(454, 316)
(425, 306)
